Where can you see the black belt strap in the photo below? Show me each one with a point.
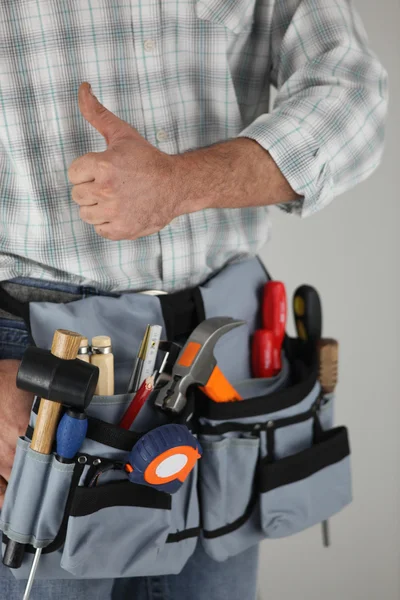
(15, 307)
(182, 311)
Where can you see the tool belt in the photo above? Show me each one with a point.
(272, 464)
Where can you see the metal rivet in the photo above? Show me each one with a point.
(96, 462)
(82, 460)
(270, 424)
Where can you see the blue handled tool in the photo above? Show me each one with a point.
(71, 433)
(163, 458)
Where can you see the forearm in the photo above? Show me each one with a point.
(233, 174)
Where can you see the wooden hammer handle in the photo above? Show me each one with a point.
(65, 345)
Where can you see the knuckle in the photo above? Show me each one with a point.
(107, 190)
(104, 165)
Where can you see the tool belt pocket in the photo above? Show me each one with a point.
(48, 481)
(154, 532)
(272, 465)
(306, 488)
(113, 529)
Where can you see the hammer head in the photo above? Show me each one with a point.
(70, 382)
(195, 362)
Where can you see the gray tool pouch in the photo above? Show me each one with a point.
(272, 465)
(116, 529)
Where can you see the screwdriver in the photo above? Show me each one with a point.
(71, 433)
(308, 319)
(262, 353)
(308, 313)
(267, 342)
(274, 313)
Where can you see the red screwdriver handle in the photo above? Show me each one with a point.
(262, 353)
(275, 308)
(274, 314)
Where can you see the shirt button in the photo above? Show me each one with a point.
(162, 135)
(149, 45)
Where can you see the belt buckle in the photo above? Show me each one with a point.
(154, 293)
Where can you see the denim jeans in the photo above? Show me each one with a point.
(201, 579)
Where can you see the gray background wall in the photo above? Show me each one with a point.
(350, 253)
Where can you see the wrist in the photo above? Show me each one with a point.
(203, 176)
(190, 190)
(234, 174)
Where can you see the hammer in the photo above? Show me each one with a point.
(197, 365)
(59, 375)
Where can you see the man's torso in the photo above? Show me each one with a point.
(185, 73)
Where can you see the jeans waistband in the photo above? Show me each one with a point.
(76, 290)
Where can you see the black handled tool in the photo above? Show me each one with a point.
(308, 320)
(308, 313)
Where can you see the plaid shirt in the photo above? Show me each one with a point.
(186, 74)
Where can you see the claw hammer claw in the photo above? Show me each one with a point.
(197, 365)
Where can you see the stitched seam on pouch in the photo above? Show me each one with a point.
(223, 444)
(31, 537)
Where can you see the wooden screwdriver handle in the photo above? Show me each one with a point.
(65, 345)
(328, 352)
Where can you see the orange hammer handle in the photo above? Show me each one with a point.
(219, 389)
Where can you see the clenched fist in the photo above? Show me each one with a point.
(129, 190)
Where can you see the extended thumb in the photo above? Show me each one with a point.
(106, 123)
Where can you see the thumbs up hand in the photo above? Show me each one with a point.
(128, 191)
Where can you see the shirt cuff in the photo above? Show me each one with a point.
(297, 155)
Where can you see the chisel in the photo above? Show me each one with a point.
(83, 352)
(103, 358)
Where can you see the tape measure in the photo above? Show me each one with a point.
(163, 458)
